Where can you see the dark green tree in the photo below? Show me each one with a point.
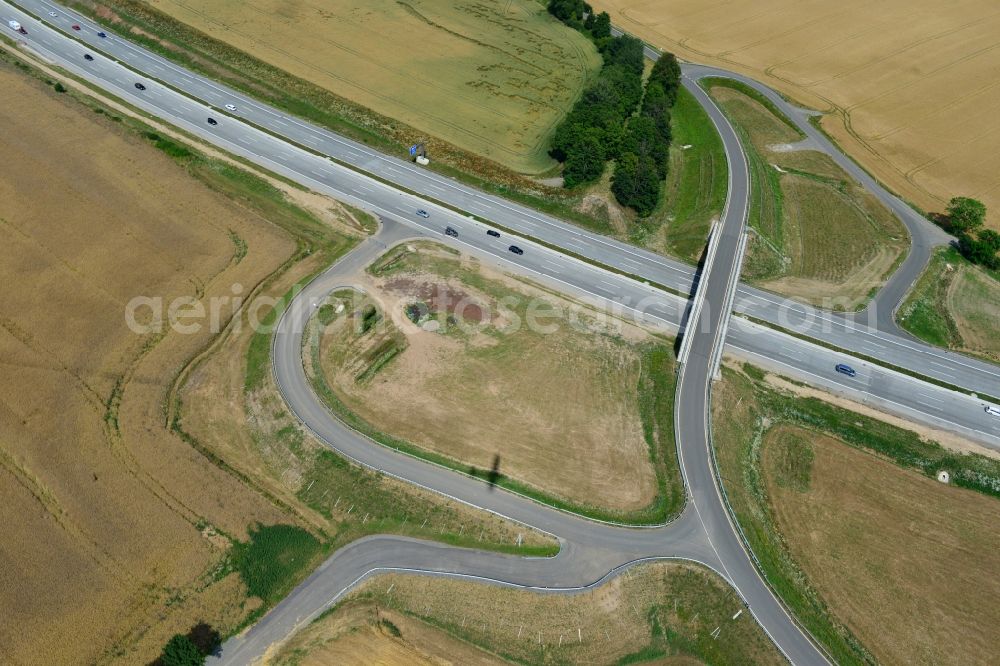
(205, 638)
(636, 183)
(625, 50)
(585, 163)
(566, 136)
(626, 84)
(601, 26)
(991, 239)
(965, 215)
(181, 651)
(667, 72)
(644, 141)
(656, 106)
(569, 11)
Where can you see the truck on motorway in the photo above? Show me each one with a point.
(17, 27)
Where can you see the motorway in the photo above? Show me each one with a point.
(590, 551)
(303, 152)
(287, 147)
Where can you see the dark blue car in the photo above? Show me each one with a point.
(845, 369)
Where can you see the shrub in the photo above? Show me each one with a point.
(270, 560)
(637, 183)
(181, 651)
(965, 214)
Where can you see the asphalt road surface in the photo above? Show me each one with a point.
(590, 551)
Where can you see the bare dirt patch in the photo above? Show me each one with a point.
(496, 393)
(908, 87)
(891, 548)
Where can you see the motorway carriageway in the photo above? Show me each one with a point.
(857, 335)
(875, 385)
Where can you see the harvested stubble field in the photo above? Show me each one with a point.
(656, 613)
(492, 78)
(888, 547)
(490, 390)
(819, 236)
(955, 305)
(107, 548)
(122, 527)
(879, 561)
(909, 87)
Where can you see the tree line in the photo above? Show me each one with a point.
(603, 124)
(641, 167)
(964, 218)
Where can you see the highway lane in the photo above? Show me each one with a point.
(872, 333)
(325, 176)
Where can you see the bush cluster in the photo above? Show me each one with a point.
(642, 165)
(603, 124)
(964, 217)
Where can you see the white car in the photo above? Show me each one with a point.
(991, 410)
(230, 107)
(53, 14)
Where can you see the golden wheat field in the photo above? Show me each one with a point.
(491, 77)
(910, 86)
(107, 548)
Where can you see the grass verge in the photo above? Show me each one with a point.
(798, 200)
(955, 305)
(657, 612)
(697, 179)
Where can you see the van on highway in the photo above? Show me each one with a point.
(992, 411)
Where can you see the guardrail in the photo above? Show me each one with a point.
(690, 323)
(727, 312)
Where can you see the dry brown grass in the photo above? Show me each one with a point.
(973, 300)
(117, 526)
(524, 397)
(820, 236)
(105, 554)
(908, 564)
(595, 627)
(493, 78)
(909, 86)
(360, 634)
